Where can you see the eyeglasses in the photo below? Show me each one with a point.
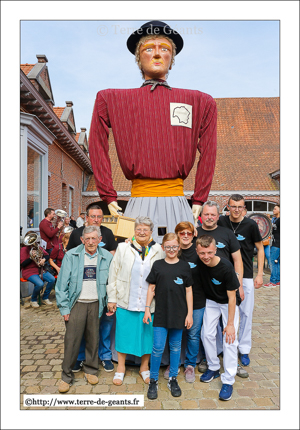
(185, 233)
(96, 216)
(239, 208)
(171, 248)
(143, 230)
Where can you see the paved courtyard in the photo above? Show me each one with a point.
(41, 345)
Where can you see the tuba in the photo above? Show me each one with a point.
(67, 229)
(60, 215)
(36, 254)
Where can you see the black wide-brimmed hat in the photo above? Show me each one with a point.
(154, 28)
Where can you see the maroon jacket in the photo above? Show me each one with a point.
(58, 254)
(48, 233)
(31, 268)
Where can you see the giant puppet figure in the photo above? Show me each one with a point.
(157, 131)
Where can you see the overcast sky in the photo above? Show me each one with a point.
(232, 58)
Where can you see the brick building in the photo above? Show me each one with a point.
(248, 160)
(55, 165)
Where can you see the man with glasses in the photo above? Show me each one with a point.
(227, 247)
(81, 299)
(94, 217)
(248, 235)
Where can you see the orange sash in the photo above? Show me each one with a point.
(157, 187)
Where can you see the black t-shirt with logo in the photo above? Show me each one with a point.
(247, 233)
(171, 281)
(226, 241)
(108, 239)
(276, 232)
(218, 280)
(190, 256)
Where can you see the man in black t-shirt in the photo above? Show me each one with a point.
(94, 217)
(275, 250)
(248, 235)
(220, 283)
(227, 244)
(227, 247)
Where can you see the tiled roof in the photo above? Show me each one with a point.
(58, 111)
(26, 68)
(248, 147)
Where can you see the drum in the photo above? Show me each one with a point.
(264, 224)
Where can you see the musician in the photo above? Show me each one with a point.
(32, 272)
(47, 231)
(59, 251)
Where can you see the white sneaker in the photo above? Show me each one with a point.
(47, 302)
(34, 304)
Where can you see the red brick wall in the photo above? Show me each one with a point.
(59, 181)
(221, 200)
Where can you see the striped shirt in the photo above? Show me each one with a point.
(157, 134)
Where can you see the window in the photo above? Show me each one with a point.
(70, 201)
(34, 188)
(260, 206)
(256, 206)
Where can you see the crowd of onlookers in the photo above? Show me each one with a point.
(132, 298)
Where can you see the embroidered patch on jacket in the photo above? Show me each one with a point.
(181, 114)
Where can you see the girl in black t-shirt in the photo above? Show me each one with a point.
(171, 279)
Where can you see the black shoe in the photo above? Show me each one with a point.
(152, 390)
(174, 387)
(78, 366)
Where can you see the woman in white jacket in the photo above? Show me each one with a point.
(127, 292)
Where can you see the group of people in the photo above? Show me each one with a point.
(196, 284)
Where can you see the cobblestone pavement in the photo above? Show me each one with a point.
(42, 337)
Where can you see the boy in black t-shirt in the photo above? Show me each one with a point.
(220, 283)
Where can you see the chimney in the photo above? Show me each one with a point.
(42, 58)
(69, 104)
(83, 130)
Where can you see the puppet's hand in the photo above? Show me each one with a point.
(196, 209)
(114, 208)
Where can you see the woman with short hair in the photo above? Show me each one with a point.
(127, 293)
(185, 233)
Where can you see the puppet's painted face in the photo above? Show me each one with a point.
(155, 58)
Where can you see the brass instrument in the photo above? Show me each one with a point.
(36, 254)
(60, 215)
(67, 229)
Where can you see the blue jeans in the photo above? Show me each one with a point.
(38, 285)
(275, 267)
(159, 341)
(267, 253)
(104, 351)
(193, 338)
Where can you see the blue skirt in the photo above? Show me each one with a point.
(132, 335)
